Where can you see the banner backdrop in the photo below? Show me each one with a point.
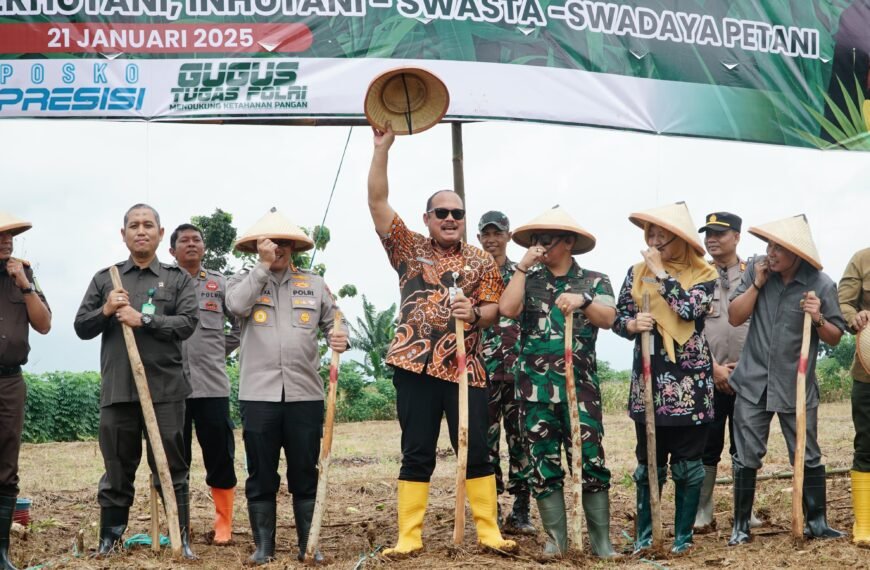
(791, 72)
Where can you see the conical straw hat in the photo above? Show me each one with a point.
(555, 219)
(675, 218)
(410, 98)
(275, 227)
(862, 348)
(9, 223)
(794, 235)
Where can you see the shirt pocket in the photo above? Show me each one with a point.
(306, 310)
(164, 301)
(713, 312)
(210, 315)
(263, 313)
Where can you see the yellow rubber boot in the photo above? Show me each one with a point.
(223, 515)
(861, 506)
(413, 498)
(484, 509)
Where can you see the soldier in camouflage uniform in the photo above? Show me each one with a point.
(500, 355)
(540, 295)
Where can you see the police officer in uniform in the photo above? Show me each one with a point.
(281, 309)
(205, 368)
(548, 284)
(22, 305)
(159, 303)
(721, 236)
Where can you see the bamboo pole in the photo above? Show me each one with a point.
(458, 167)
(646, 344)
(800, 445)
(151, 428)
(462, 429)
(155, 516)
(325, 452)
(576, 502)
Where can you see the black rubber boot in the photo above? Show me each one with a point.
(7, 510)
(113, 523)
(262, 517)
(519, 522)
(744, 496)
(182, 498)
(303, 512)
(815, 505)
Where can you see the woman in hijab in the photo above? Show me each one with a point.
(680, 287)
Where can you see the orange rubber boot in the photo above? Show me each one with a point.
(223, 518)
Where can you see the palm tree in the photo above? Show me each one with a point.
(373, 334)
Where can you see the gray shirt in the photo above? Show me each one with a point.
(206, 350)
(726, 342)
(280, 317)
(769, 362)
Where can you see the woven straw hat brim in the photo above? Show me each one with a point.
(794, 235)
(862, 348)
(387, 99)
(248, 244)
(676, 219)
(275, 227)
(13, 225)
(585, 241)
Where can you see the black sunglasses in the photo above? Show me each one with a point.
(546, 239)
(442, 213)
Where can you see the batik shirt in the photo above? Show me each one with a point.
(500, 340)
(541, 362)
(425, 340)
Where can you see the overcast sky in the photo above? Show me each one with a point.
(73, 180)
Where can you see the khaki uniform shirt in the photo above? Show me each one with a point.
(14, 321)
(726, 342)
(159, 345)
(206, 350)
(280, 317)
(854, 294)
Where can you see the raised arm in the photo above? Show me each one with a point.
(379, 205)
(744, 298)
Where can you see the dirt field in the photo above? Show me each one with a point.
(61, 479)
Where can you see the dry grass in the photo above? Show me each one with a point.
(62, 479)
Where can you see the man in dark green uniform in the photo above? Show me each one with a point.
(541, 296)
(500, 355)
(22, 306)
(159, 303)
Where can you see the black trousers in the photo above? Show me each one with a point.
(421, 402)
(13, 393)
(267, 428)
(680, 443)
(122, 428)
(723, 405)
(214, 432)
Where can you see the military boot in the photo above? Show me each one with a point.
(519, 522)
(7, 510)
(555, 521)
(688, 477)
(596, 506)
(815, 505)
(744, 496)
(262, 517)
(113, 523)
(303, 512)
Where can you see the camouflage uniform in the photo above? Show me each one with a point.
(500, 355)
(540, 383)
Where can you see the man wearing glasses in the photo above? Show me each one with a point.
(721, 236)
(440, 279)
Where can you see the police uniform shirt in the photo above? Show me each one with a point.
(14, 321)
(280, 317)
(205, 352)
(726, 342)
(175, 319)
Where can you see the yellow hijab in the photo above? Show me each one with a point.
(687, 267)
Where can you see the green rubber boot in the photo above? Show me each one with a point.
(688, 477)
(555, 521)
(597, 509)
(643, 531)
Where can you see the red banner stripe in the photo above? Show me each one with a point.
(802, 365)
(116, 38)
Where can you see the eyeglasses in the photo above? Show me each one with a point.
(546, 239)
(442, 213)
(724, 282)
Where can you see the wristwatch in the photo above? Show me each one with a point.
(29, 289)
(661, 276)
(476, 311)
(587, 300)
(821, 322)
(147, 321)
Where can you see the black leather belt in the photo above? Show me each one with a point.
(10, 370)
